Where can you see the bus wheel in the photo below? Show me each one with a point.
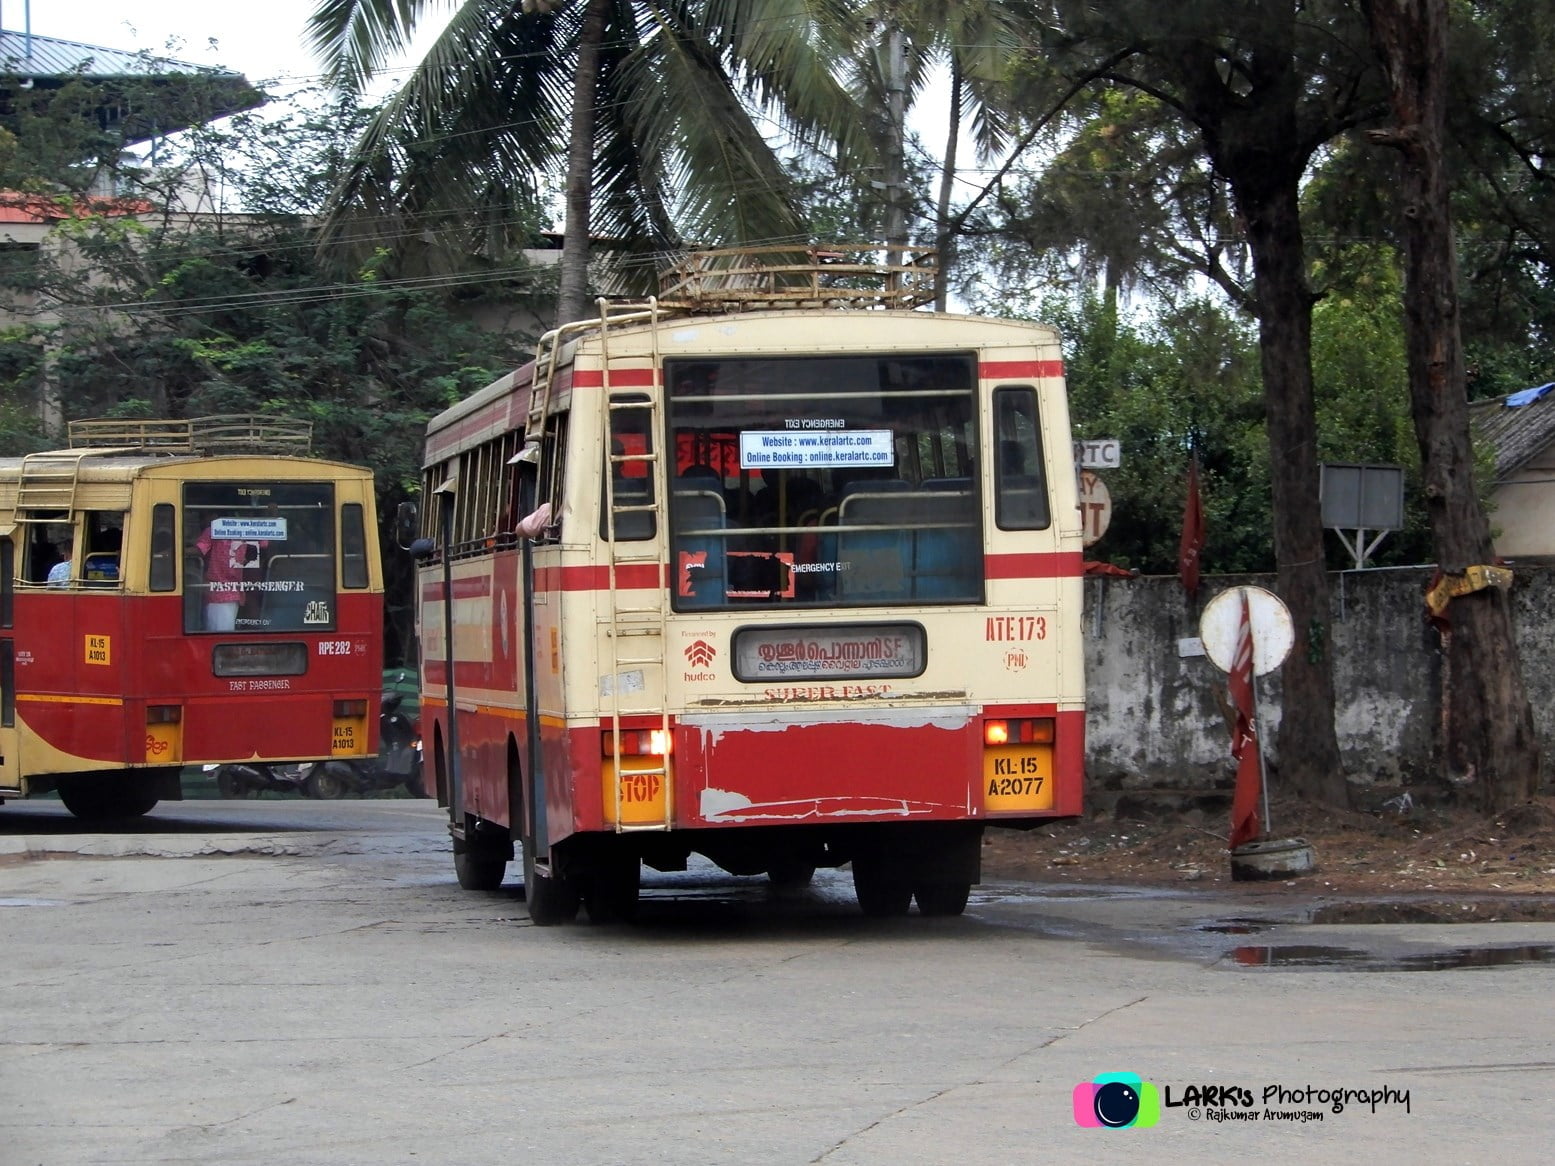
(882, 892)
(613, 888)
(550, 900)
(92, 799)
(476, 870)
(942, 898)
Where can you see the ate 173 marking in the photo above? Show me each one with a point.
(1015, 628)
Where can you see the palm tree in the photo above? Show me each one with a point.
(656, 112)
(905, 40)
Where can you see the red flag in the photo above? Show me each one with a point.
(1192, 534)
(1244, 737)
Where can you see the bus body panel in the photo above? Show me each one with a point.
(785, 749)
(110, 675)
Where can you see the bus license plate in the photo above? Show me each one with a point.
(1018, 778)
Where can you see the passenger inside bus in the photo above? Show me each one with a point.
(59, 573)
(227, 565)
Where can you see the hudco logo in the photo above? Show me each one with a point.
(700, 653)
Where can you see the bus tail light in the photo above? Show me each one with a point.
(1019, 731)
(1018, 765)
(348, 735)
(164, 734)
(636, 743)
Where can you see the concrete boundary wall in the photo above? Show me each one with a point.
(1160, 719)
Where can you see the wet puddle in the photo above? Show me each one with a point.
(1354, 960)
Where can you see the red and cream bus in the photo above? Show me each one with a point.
(182, 592)
(803, 589)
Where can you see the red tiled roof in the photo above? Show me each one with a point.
(16, 207)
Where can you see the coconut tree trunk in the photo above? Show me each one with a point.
(944, 238)
(1489, 746)
(572, 293)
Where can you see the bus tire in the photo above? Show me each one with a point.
(882, 892)
(613, 888)
(942, 898)
(477, 871)
(96, 799)
(550, 900)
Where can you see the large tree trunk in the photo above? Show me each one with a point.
(1256, 145)
(1489, 746)
(1308, 748)
(572, 294)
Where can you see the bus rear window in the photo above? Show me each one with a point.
(259, 557)
(836, 481)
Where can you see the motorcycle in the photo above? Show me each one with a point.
(398, 761)
(250, 779)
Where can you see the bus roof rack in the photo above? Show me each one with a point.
(226, 433)
(870, 275)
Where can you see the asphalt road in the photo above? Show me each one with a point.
(283, 981)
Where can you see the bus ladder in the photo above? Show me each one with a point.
(47, 482)
(637, 632)
(548, 353)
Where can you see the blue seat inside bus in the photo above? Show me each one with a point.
(698, 560)
(929, 552)
(946, 560)
(873, 564)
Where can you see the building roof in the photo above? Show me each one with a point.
(19, 207)
(46, 63)
(1518, 426)
(27, 55)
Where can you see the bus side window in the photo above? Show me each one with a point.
(353, 546)
(553, 459)
(1020, 485)
(164, 548)
(101, 566)
(628, 474)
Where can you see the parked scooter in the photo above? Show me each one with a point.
(250, 779)
(398, 761)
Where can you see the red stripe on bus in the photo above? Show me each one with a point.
(993, 370)
(633, 576)
(472, 587)
(1041, 565)
(620, 378)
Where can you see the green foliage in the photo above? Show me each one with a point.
(167, 314)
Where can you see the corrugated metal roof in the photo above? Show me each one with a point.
(47, 56)
(1518, 433)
